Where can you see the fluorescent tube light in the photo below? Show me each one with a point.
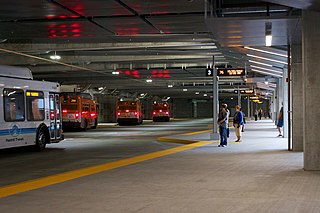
(268, 40)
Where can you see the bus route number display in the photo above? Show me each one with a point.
(231, 72)
(209, 72)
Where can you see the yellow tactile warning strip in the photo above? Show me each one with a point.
(199, 132)
(176, 140)
(6, 191)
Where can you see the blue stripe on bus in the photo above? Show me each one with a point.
(22, 131)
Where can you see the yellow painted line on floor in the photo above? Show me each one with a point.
(198, 132)
(6, 191)
(176, 140)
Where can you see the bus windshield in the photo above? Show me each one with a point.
(70, 106)
(127, 107)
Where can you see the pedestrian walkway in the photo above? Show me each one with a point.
(256, 175)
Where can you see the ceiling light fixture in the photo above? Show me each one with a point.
(55, 56)
(205, 95)
(268, 52)
(257, 62)
(268, 59)
(197, 93)
(262, 68)
(266, 73)
(185, 90)
(268, 34)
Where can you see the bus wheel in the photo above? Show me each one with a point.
(41, 140)
(95, 124)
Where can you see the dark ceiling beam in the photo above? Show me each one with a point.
(138, 15)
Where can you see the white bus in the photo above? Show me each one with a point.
(30, 111)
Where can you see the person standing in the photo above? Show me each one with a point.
(256, 115)
(280, 122)
(238, 122)
(223, 124)
(260, 113)
(228, 112)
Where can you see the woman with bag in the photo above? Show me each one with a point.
(238, 122)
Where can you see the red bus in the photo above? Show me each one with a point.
(161, 111)
(129, 112)
(79, 111)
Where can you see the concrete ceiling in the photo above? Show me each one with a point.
(170, 42)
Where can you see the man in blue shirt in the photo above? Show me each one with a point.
(238, 122)
(223, 125)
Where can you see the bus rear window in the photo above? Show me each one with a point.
(127, 107)
(70, 107)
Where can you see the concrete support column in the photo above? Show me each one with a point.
(249, 110)
(195, 109)
(279, 98)
(273, 107)
(297, 107)
(311, 88)
(239, 97)
(285, 102)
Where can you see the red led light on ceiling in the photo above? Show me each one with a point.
(61, 30)
(75, 25)
(154, 73)
(134, 73)
(75, 31)
(160, 74)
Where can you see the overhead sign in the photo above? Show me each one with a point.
(247, 92)
(209, 72)
(254, 97)
(231, 72)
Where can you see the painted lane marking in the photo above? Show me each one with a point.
(13, 189)
(198, 132)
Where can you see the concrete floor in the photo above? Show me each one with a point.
(257, 175)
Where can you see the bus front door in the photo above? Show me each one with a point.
(55, 117)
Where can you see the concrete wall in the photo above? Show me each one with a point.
(204, 109)
(107, 108)
(182, 108)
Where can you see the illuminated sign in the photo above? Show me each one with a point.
(250, 91)
(209, 72)
(73, 100)
(32, 94)
(254, 98)
(154, 73)
(231, 72)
